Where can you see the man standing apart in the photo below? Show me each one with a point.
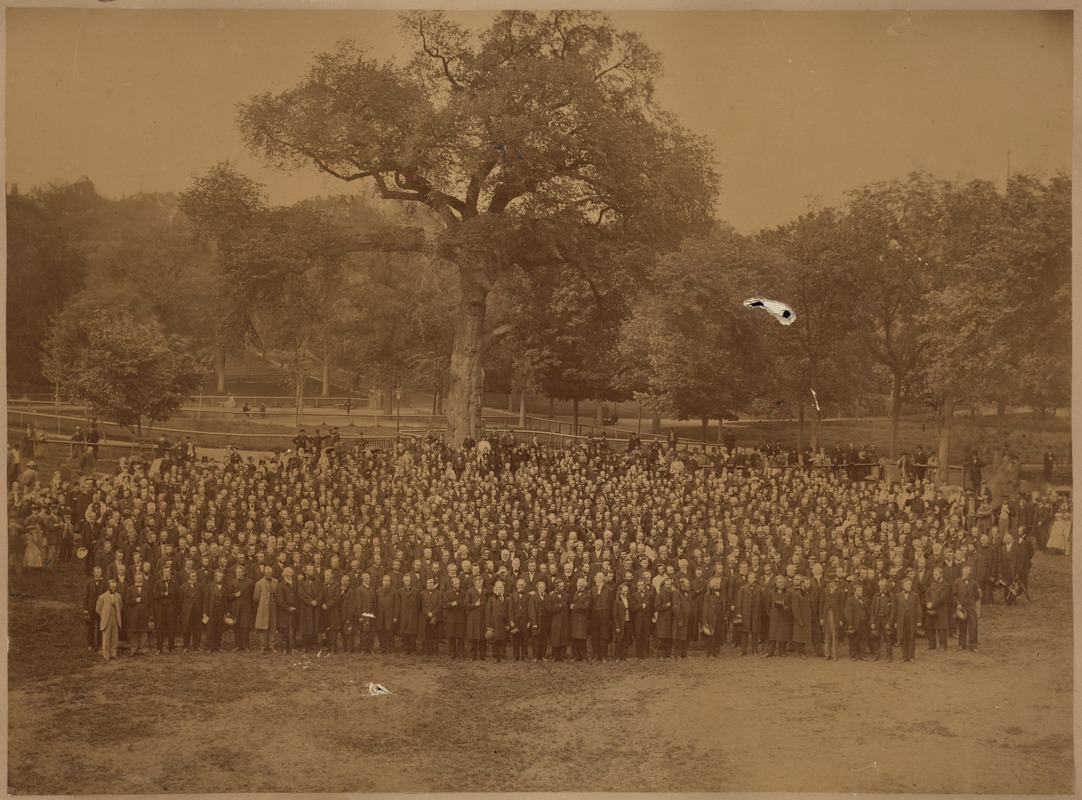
(108, 609)
(906, 614)
(856, 622)
(286, 599)
(965, 593)
(266, 609)
(96, 586)
(601, 617)
(165, 609)
(938, 607)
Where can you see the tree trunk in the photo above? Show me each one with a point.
(552, 407)
(298, 397)
(1001, 415)
(510, 401)
(721, 432)
(219, 368)
(895, 412)
(522, 410)
(800, 430)
(946, 417)
(435, 401)
(463, 408)
(326, 376)
(706, 427)
(575, 417)
(439, 400)
(655, 423)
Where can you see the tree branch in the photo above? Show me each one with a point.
(615, 66)
(433, 52)
(495, 335)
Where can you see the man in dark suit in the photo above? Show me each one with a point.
(621, 621)
(831, 609)
(906, 614)
(1049, 464)
(815, 593)
(165, 609)
(90, 529)
(286, 598)
(856, 618)
(191, 611)
(601, 600)
(1009, 559)
(988, 555)
(215, 603)
(973, 471)
(540, 621)
(964, 595)
(431, 622)
(937, 605)
(518, 613)
(95, 587)
(641, 601)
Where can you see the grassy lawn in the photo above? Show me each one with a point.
(1000, 721)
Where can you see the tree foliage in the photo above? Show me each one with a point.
(44, 270)
(692, 348)
(125, 370)
(536, 143)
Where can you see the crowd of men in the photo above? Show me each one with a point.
(594, 552)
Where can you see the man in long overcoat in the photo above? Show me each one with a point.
(266, 609)
(601, 599)
(781, 618)
(286, 597)
(476, 605)
(856, 615)
(663, 618)
(580, 619)
(937, 611)
(454, 618)
(558, 610)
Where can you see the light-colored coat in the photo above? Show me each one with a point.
(109, 608)
(266, 609)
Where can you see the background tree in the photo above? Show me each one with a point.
(891, 230)
(284, 268)
(125, 370)
(536, 143)
(43, 271)
(802, 264)
(1000, 320)
(697, 346)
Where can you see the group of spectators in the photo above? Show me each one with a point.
(595, 552)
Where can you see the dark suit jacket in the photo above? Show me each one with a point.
(856, 613)
(285, 597)
(906, 613)
(966, 593)
(601, 609)
(496, 617)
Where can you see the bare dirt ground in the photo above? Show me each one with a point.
(996, 722)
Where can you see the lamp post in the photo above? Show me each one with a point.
(398, 421)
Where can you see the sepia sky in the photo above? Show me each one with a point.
(799, 105)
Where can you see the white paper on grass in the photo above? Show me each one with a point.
(377, 689)
(779, 311)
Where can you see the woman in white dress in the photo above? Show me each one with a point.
(1059, 537)
(33, 555)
